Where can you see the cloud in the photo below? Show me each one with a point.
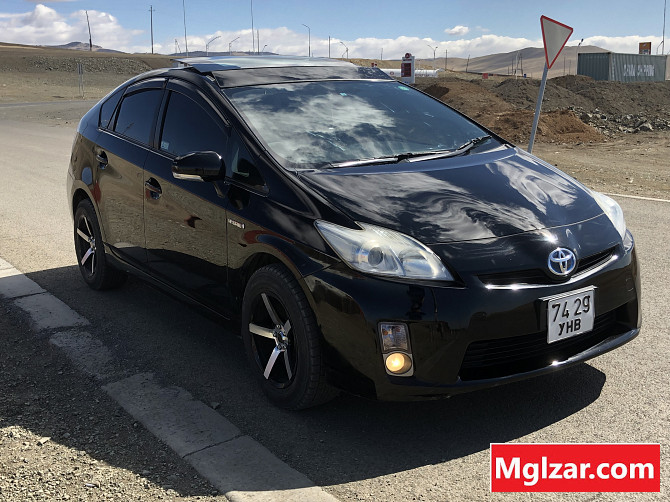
(627, 45)
(457, 31)
(44, 26)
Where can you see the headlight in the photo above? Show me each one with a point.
(380, 251)
(613, 210)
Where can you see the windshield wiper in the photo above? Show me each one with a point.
(461, 150)
(417, 156)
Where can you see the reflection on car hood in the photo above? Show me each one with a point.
(492, 194)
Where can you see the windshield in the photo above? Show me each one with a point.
(326, 123)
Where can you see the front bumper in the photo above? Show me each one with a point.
(466, 337)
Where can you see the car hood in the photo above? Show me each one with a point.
(478, 196)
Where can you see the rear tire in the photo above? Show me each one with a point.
(282, 340)
(90, 250)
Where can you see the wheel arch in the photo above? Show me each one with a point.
(300, 262)
(80, 192)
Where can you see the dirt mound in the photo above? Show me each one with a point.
(469, 98)
(619, 98)
(522, 93)
(38, 64)
(558, 126)
(504, 108)
(597, 109)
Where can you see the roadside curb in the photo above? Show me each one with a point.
(237, 465)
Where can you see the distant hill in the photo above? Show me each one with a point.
(81, 46)
(531, 60)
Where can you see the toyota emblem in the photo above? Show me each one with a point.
(562, 261)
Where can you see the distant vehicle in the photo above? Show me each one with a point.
(366, 236)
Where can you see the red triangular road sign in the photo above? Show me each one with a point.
(555, 35)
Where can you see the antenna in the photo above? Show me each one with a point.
(90, 43)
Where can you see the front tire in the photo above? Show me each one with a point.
(282, 340)
(90, 250)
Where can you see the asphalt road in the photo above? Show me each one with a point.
(355, 449)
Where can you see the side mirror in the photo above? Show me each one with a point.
(198, 166)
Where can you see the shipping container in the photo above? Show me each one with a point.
(622, 67)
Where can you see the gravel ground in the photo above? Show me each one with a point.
(63, 438)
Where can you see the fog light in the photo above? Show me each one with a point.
(394, 336)
(398, 363)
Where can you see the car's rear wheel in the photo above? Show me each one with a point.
(282, 340)
(90, 250)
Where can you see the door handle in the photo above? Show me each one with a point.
(153, 189)
(102, 160)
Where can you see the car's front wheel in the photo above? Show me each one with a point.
(282, 340)
(93, 265)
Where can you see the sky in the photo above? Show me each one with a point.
(368, 28)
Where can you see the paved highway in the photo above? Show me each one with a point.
(353, 448)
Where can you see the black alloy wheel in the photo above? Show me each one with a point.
(282, 340)
(90, 250)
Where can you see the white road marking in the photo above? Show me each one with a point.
(636, 197)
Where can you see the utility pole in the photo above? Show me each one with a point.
(446, 55)
(253, 39)
(90, 43)
(183, 3)
(151, 13)
(467, 64)
(663, 39)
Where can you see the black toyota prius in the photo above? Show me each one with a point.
(363, 235)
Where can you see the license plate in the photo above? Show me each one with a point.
(570, 314)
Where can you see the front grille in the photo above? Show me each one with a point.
(508, 356)
(539, 276)
(593, 261)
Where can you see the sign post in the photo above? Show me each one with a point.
(407, 69)
(555, 35)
